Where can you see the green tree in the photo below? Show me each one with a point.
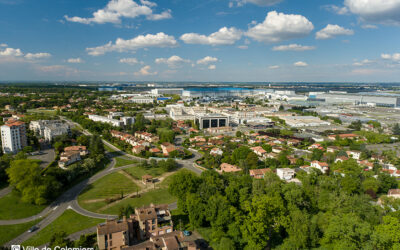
(346, 231)
(25, 176)
(226, 244)
(386, 235)
(60, 239)
(252, 160)
(396, 129)
(266, 216)
(240, 154)
(182, 183)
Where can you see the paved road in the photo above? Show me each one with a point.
(5, 191)
(68, 200)
(58, 207)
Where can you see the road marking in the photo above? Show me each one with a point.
(55, 208)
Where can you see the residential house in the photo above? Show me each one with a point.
(316, 146)
(343, 136)
(259, 151)
(285, 174)
(228, 168)
(167, 148)
(259, 173)
(395, 193)
(341, 159)
(216, 151)
(138, 149)
(67, 158)
(356, 155)
(323, 166)
(332, 149)
(81, 149)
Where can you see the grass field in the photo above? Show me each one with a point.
(156, 196)
(138, 172)
(107, 187)
(123, 162)
(11, 207)
(69, 222)
(9, 232)
(43, 111)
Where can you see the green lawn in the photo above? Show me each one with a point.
(107, 187)
(43, 111)
(9, 232)
(123, 162)
(156, 196)
(11, 207)
(109, 149)
(137, 172)
(69, 222)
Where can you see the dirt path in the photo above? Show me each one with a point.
(130, 177)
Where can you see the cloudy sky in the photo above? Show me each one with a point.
(207, 40)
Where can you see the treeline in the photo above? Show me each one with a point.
(325, 211)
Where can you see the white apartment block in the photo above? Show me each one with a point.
(13, 137)
(103, 119)
(49, 128)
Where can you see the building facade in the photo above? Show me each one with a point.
(13, 137)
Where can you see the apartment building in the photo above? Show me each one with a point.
(13, 137)
(49, 129)
(153, 222)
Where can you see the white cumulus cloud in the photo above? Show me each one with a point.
(256, 2)
(293, 47)
(145, 71)
(11, 52)
(207, 60)
(337, 9)
(117, 9)
(274, 67)
(333, 30)
(377, 11)
(75, 60)
(37, 55)
(279, 27)
(393, 57)
(224, 36)
(172, 62)
(130, 60)
(300, 64)
(363, 62)
(212, 67)
(160, 40)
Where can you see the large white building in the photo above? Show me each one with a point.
(13, 137)
(167, 91)
(103, 119)
(141, 99)
(304, 121)
(48, 129)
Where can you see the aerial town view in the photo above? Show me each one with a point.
(214, 124)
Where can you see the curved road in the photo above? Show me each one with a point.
(68, 200)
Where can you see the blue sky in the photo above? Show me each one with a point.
(208, 40)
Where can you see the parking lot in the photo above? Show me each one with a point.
(46, 157)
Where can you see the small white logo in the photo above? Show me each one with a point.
(15, 247)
